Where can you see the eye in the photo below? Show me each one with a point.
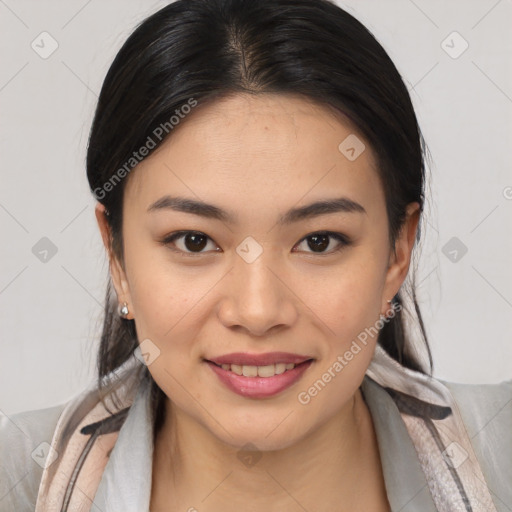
(318, 242)
(189, 242)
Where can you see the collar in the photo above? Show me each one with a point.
(414, 420)
(126, 481)
(405, 482)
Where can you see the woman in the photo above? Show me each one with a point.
(260, 177)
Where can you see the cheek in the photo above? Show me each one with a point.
(348, 305)
(166, 307)
(346, 299)
(167, 302)
(165, 296)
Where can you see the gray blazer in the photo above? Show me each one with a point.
(126, 482)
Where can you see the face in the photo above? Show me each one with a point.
(257, 273)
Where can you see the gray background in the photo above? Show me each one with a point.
(50, 312)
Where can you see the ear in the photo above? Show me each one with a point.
(400, 257)
(117, 272)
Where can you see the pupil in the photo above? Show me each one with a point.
(322, 242)
(194, 241)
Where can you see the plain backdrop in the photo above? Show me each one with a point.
(50, 311)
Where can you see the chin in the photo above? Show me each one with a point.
(266, 435)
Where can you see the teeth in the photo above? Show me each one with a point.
(250, 371)
(236, 369)
(266, 371)
(280, 368)
(259, 371)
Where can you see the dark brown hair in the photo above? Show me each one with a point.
(207, 49)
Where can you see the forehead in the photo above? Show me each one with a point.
(257, 149)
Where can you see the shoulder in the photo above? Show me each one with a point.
(25, 438)
(483, 406)
(486, 410)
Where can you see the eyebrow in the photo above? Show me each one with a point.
(210, 211)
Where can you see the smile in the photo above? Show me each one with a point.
(259, 381)
(258, 371)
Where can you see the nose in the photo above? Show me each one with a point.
(259, 298)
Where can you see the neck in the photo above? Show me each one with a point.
(332, 466)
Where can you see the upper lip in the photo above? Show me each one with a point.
(246, 359)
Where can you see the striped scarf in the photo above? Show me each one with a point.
(86, 433)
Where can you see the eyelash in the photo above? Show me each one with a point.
(339, 237)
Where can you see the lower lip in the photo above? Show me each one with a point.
(260, 387)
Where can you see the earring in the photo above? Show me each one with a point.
(122, 310)
(385, 316)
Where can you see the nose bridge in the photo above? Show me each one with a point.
(258, 298)
(257, 284)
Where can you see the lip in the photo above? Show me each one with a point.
(246, 359)
(260, 387)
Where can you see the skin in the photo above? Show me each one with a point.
(258, 156)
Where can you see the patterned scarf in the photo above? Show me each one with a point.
(86, 433)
